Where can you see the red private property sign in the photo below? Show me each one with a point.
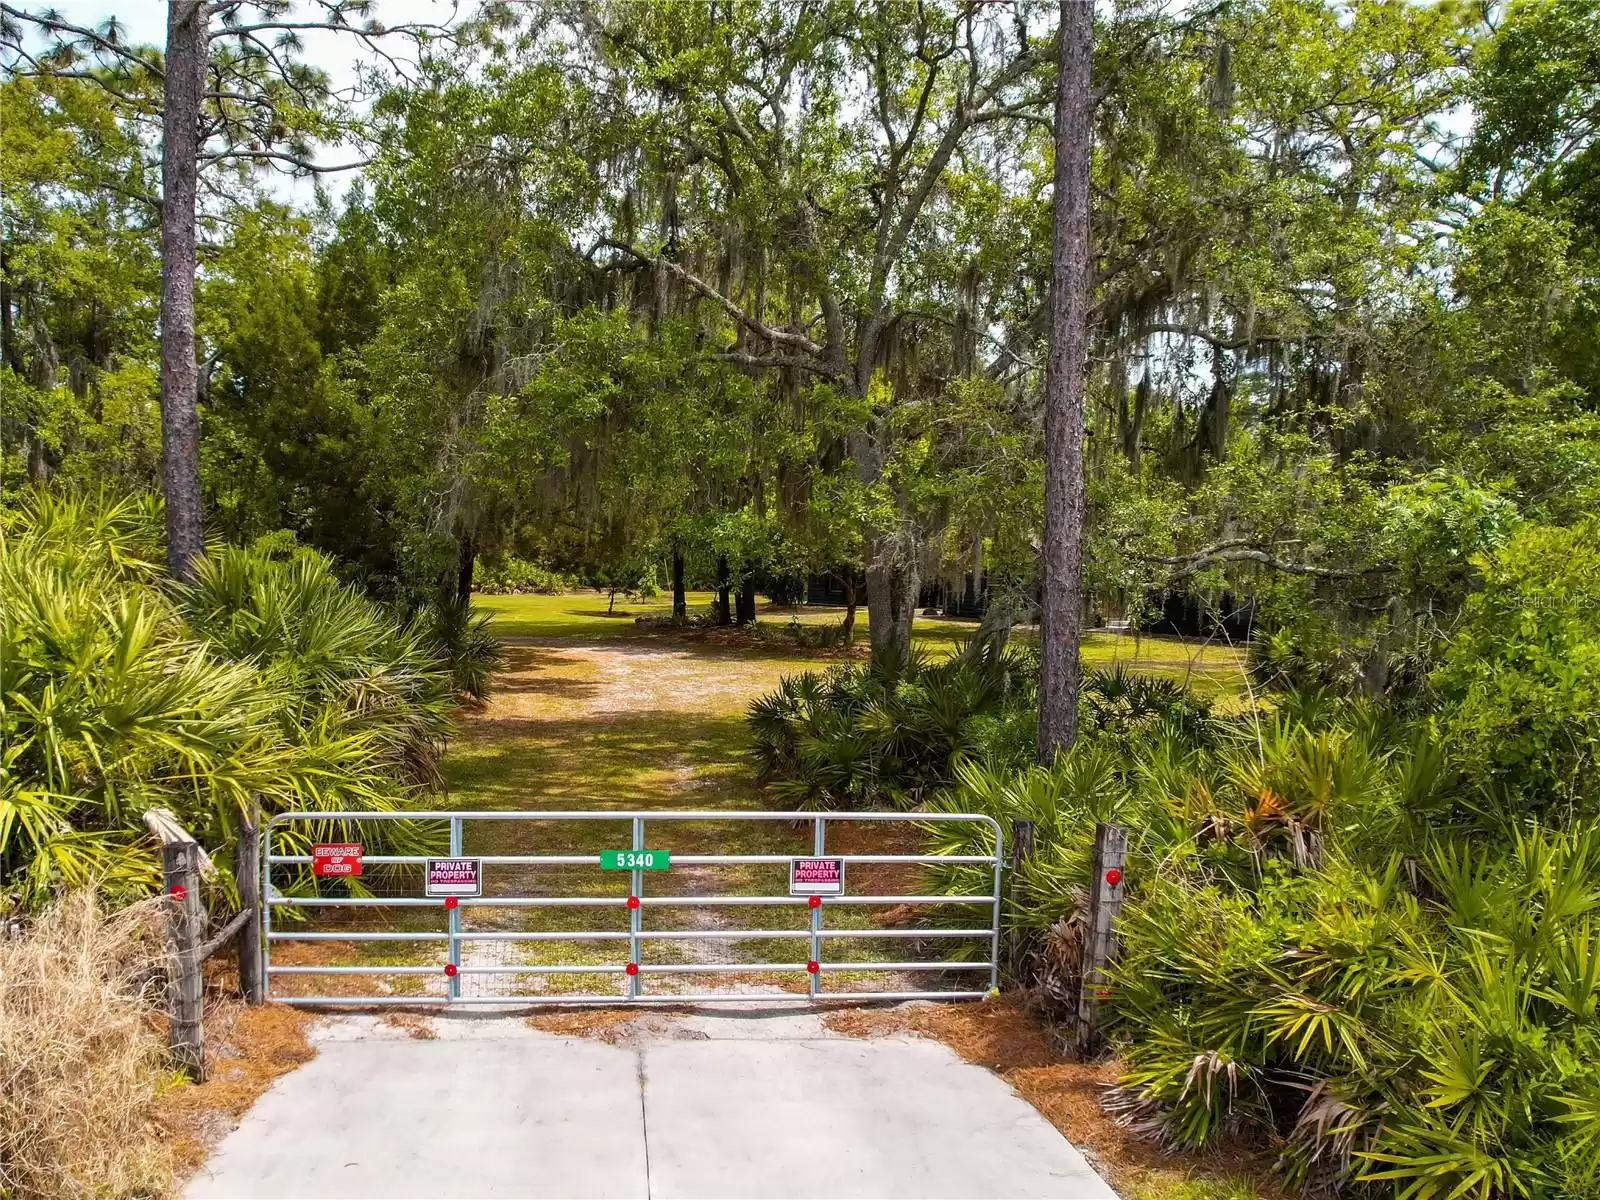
(816, 876)
(454, 877)
(336, 858)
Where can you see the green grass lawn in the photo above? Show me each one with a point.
(594, 711)
(1212, 669)
(577, 614)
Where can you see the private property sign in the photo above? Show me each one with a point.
(336, 858)
(816, 876)
(454, 877)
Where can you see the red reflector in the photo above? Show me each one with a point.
(179, 892)
(450, 970)
(1113, 877)
(451, 902)
(813, 966)
(815, 901)
(633, 902)
(633, 968)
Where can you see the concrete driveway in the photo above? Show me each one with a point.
(740, 1105)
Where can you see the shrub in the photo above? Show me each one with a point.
(809, 636)
(869, 733)
(1319, 950)
(517, 576)
(81, 1061)
(1437, 1037)
(335, 660)
(1520, 684)
(862, 733)
(459, 639)
(1124, 702)
(266, 682)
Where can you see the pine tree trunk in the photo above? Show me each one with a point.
(747, 600)
(1061, 615)
(849, 626)
(180, 155)
(680, 601)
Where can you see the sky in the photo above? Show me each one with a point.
(340, 55)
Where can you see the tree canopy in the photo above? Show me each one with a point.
(764, 289)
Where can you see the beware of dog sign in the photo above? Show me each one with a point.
(816, 876)
(454, 877)
(336, 858)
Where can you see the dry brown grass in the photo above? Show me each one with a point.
(81, 1060)
(1012, 1042)
(413, 1024)
(611, 1025)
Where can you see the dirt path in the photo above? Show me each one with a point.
(634, 723)
(624, 724)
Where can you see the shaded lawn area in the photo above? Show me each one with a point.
(1212, 668)
(609, 715)
(630, 724)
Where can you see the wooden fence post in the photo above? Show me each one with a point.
(1100, 938)
(180, 868)
(247, 872)
(1022, 843)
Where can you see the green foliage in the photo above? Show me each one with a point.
(458, 637)
(267, 683)
(865, 735)
(861, 735)
(1430, 1030)
(810, 636)
(337, 660)
(601, 301)
(1315, 954)
(1521, 678)
(515, 576)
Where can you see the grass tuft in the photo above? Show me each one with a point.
(81, 1060)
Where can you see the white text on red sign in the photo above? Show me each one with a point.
(336, 858)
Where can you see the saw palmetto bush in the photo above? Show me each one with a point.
(1318, 952)
(266, 683)
(339, 663)
(1423, 1028)
(865, 735)
(458, 637)
(899, 733)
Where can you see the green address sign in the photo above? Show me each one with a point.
(635, 860)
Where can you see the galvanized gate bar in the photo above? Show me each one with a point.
(636, 935)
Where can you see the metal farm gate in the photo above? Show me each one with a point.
(625, 907)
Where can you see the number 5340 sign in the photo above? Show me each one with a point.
(635, 860)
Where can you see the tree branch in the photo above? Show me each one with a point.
(1217, 340)
(1240, 550)
(43, 71)
(778, 337)
(51, 22)
(280, 156)
(813, 365)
